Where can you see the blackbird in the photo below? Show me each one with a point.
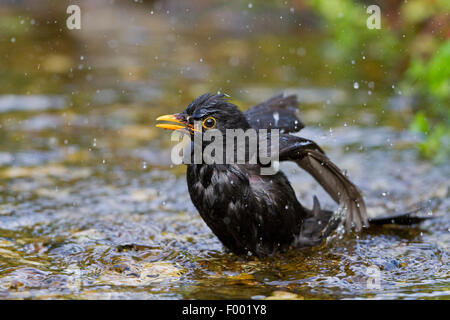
(258, 214)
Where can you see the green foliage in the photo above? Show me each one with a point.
(432, 81)
(426, 79)
(432, 77)
(436, 144)
(420, 123)
(345, 22)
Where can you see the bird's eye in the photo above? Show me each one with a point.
(209, 123)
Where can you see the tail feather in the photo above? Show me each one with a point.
(407, 218)
(319, 224)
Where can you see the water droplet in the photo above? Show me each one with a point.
(276, 117)
(356, 85)
(250, 5)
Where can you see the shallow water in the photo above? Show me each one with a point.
(91, 207)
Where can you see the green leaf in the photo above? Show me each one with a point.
(420, 123)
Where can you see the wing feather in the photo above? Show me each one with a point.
(310, 157)
(278, 112)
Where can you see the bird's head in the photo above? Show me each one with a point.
(209, 111)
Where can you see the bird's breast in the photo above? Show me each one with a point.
(217, 188)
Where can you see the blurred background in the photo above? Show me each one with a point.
(90, 205)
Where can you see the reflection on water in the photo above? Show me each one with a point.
(91, 207)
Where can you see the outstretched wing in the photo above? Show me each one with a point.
(310, 157)
(276, 113)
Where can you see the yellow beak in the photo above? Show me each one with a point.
(171, 118)
(177, 118)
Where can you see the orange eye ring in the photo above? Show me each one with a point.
(209, 123)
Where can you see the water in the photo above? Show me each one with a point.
(91, 207)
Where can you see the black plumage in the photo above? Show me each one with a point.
(260, 214)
